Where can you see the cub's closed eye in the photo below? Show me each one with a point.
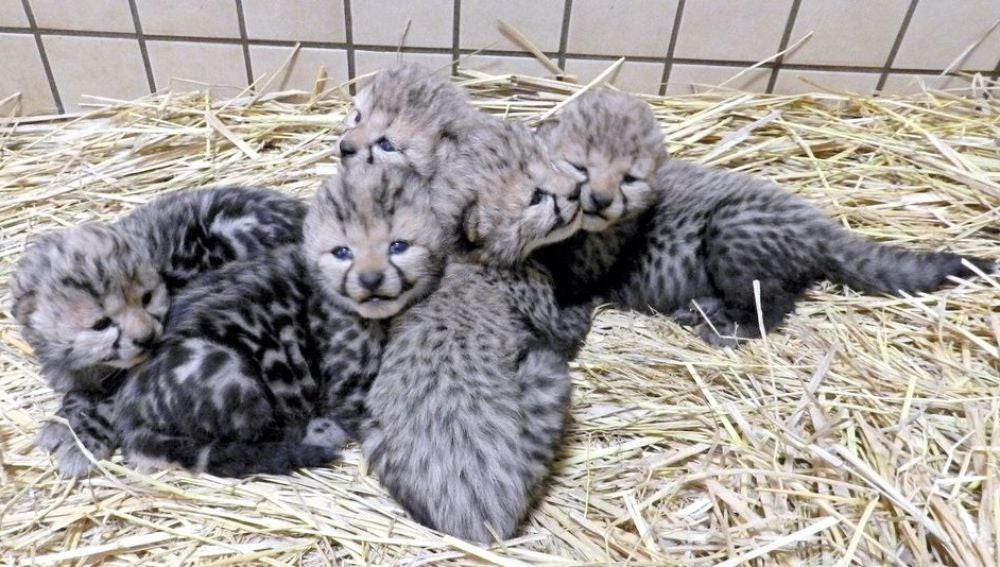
(537, 197)
(101, 324)
(629, 178)
(398, 247)
(342, 253)
(385, 145)
(580, 168)
(147, 297)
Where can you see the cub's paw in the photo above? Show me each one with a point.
(57, 439)
(697, 311)
(324, 432)
(721, 336)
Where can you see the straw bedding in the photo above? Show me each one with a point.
(866, 431)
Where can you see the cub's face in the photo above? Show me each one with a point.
(373, 240)
(89, 296)
(614, 141)
(533, 203)
(404, 117)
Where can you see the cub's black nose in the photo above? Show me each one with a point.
(600, 201)
(346, 149)
(370, 280)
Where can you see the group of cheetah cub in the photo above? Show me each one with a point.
(424, 304)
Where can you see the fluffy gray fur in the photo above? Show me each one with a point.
(260, 360)
(690, 233)
(92, 298)
(468, 406)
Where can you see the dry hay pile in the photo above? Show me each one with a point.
(867, 430)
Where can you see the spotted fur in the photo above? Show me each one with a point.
(704, 235)
(468, 407)
(408, 116)
(92, 298)
(260, 360)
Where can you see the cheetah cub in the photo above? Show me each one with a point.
(259, 361)
(408, 116)
(468, 407)
(688, 234)
(91, 299)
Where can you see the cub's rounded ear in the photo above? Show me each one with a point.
(546, 128)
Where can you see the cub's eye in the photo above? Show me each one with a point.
(399, 246)
(629, 178)
(357, 117)
(101, 324)
(580, 168)
(536, 197)
(342, 253)
(146, 298)
(385, 145)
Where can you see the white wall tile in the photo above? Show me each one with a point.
(942, 29)
(751, 29)
(12, 14)
(539, 21)
(192, 66)
(791, 81)
(847, 32)
(84, 15)
(24, 74)
(189, 18)
(621, 27)
(302, 70)
(689, 79)
(101, 66)
(371, 61)
(633, 76)
(382, 22)
(295, 20)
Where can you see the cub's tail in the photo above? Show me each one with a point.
(150, 450)
(869, 266)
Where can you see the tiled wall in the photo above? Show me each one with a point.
(53, 52)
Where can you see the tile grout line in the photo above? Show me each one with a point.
(53, 88)
(143, 52)
(903, 27)
(244, 41)
(793, 13)
(564, 34)
(456, 35)
(349, 45)
(996, 71)
(668, 59)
